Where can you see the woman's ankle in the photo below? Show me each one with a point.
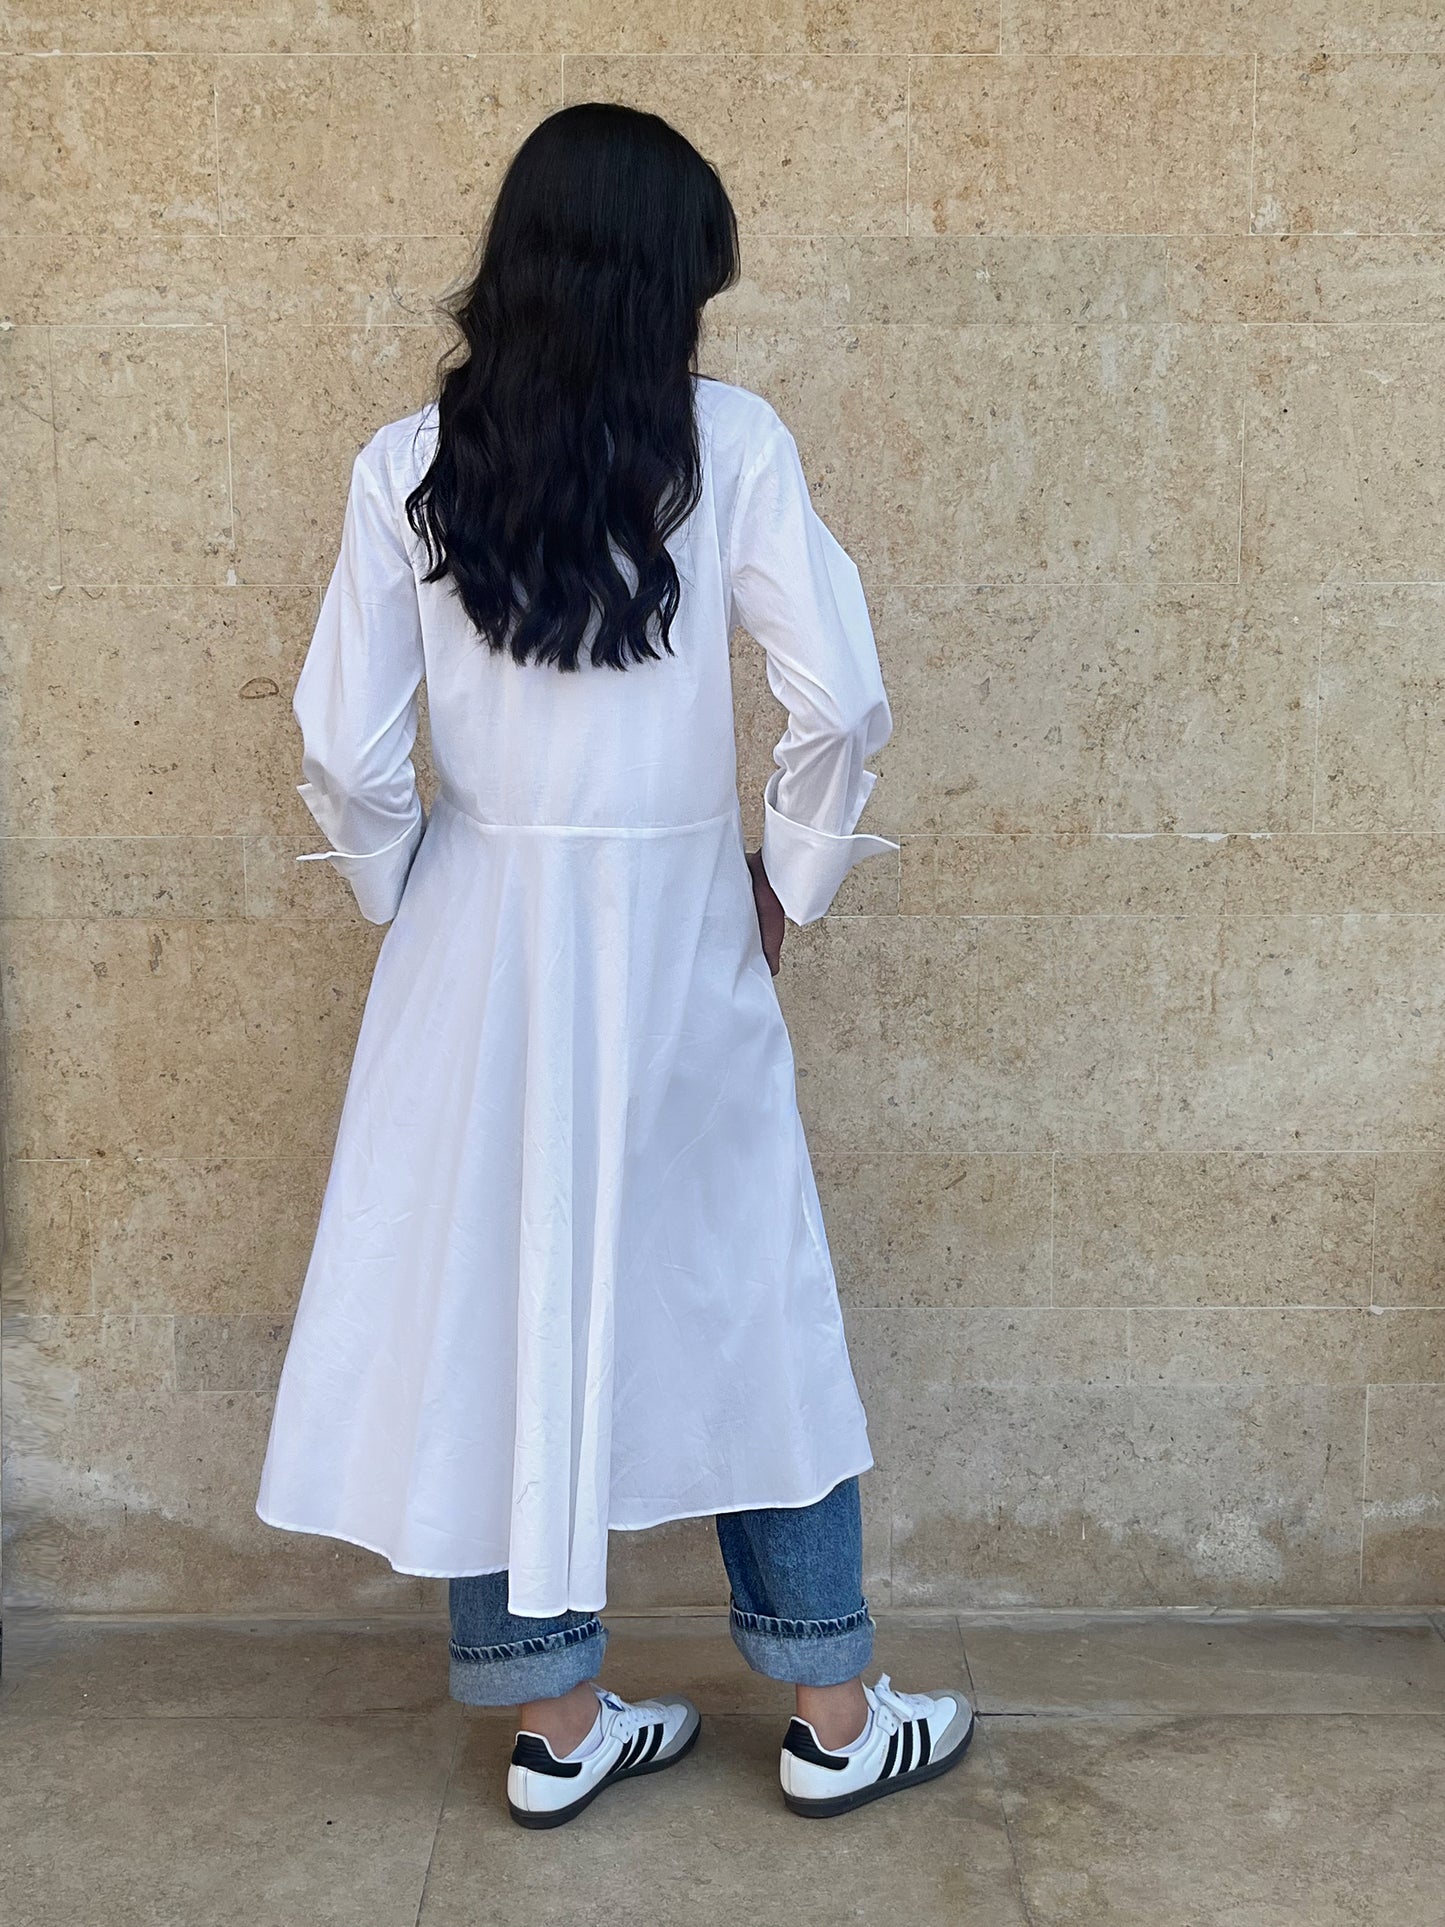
(563, 1722)
(837, 1714)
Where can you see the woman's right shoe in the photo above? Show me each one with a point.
(543, 1791)
(910, 1737)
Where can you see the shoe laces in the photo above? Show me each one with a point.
(620, 1717)
(894, 1709)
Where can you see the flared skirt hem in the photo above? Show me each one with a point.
(614, 1525)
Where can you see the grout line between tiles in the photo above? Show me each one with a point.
(1364, 1490)
(1253, 130)
(1374, 1220)
(992, 1768)
(55, 450)
(441, 1814)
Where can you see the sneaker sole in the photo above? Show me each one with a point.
(880, 1789)
(561, 1815)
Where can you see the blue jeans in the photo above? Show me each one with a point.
(797, 1611)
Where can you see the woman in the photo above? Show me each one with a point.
(570, 1275)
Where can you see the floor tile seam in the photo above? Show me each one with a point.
(991, 1768)
(443, 1802)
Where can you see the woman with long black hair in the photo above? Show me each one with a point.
(570, 1275)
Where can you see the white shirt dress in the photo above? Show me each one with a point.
(570, 1274)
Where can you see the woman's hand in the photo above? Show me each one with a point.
(771, 919)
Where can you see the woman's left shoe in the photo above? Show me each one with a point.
(543, 1791)
(909, 1738)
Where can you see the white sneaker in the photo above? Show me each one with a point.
(543, 1791)
(910, 1737)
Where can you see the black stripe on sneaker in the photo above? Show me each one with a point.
(802, 1742)
(654, 1741)
(891, 1756)
(533, 1752)
(634, 1749)
(925, 1743)
(907, 1757)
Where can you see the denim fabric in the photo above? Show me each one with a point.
(797, 1612)
(499, 1659)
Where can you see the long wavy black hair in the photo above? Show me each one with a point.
(567, 446)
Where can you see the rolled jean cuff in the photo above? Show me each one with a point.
(527, 1669)
(804, 1652)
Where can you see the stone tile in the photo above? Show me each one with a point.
(150, 280)
(671, 1568)
(303, 402)
(1410, 1231)
(954, 1037)
(1403, 1553)
(1100, 709)
(141, 454)
(840, 27)
(950, 1232)
(1314, 979)
(990, 1346)
(227, 1821)
(960, 280)
(806, 146)
(1216, 26)
(693, 1653)
(125, 145)
(29, 517)
(46, 1246)
(272, 26)
(940, 1854)
(162, 1039)
(1238, 1345)
(1065, 146)
(1382, 673)
(121, 876)
(1406, 1347)
(784, 281)
(1213, 1229)
(1116, 1666)
(1343, 472)
(919, 494)
(154, 713)
(326, 281)
(217, 1669)
(225, 1238)
(1330, 1822)
(376, 146)
(1313, 170)
(241, 1353)
(1159, 874)
(1072, 1494)
(1307, 277)
(169, 1524)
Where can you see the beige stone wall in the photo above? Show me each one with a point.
(1112, 334)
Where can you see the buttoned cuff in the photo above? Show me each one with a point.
(806, 865)
(377, 877)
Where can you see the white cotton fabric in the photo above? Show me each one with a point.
(570, 1273)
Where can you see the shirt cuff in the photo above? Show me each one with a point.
(377, 877)
(806, 866)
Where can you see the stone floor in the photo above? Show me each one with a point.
(1132, 1771)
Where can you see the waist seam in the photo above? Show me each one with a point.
(651, 830)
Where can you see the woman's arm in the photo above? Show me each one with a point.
(356, 700)
(799, 593)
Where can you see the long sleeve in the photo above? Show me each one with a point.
(798, 592)
(355, 701)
